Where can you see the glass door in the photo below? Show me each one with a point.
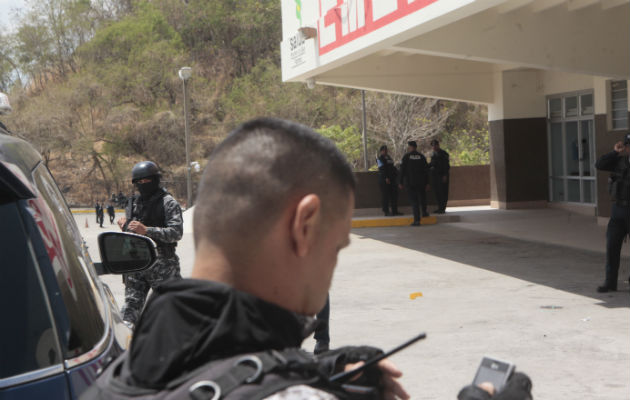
(571, 148)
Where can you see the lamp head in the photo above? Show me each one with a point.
(185, 73)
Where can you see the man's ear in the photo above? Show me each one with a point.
(306, 224)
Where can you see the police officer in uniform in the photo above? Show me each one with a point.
(387, 174)
(619, 224)
(414, 176)
(440, 167)
(156, 214)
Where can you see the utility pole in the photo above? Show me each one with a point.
(364, 134)
(184, 74)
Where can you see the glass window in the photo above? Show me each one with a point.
(556, 149)
(28, 340)
(586, 150)
(555, 108)
(571, 106)
(78, 284)
(588, 190)
(619, 104)
(586, 104)
(573, 149)
(557, 187)
(573, 190)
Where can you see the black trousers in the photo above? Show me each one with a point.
(389, 196)
(418, 199)
(618, 228)
(440, 189)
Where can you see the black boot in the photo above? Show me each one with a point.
(605, 288)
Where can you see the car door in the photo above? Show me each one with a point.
(88, 332)
(31, 359)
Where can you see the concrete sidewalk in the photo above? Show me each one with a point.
(519, 285)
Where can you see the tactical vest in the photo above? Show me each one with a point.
(151, 214)
(251, 376)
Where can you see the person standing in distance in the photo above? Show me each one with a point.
(111, 212)
(414, 176)
(440, 167)
(97, 210)
(100, 214)
(156, 214)
(387, 174)
(619, 224)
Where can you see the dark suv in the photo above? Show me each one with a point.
(61, 323)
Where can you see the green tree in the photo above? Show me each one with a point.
(468, 149)
(348, 141)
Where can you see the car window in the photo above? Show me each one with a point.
(79, 287)
(28, 340)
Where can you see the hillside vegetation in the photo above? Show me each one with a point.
(94, 87)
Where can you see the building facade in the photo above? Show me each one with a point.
(554, 74)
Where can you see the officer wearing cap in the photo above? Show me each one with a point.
(414, 176)
(156, 214)
(618, 164)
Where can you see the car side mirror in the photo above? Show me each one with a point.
(123, 252)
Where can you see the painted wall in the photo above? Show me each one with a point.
(470, 185)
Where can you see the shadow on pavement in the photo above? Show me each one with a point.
(563, 268)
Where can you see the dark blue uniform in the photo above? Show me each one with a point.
(389, 191)
(414, 175)
(440, 167)
(619, 223)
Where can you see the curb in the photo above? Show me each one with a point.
(388, 221)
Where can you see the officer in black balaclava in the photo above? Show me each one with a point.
(156, 214)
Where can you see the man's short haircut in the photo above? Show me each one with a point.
(254, 173)
(434, 142)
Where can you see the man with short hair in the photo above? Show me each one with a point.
(618, 163)
(440, 167)
(156, 214)
(414, 176)
(234, 331)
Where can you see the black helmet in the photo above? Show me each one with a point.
(144, 169)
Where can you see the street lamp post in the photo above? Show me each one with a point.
(364, 133)
(184, 75)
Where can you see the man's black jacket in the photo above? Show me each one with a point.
(619, 165)
(414, 169)
(386, 169)
(188, 323)
(440, 164)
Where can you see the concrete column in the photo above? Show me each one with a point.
(518, 141)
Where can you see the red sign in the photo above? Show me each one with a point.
(355, 18)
